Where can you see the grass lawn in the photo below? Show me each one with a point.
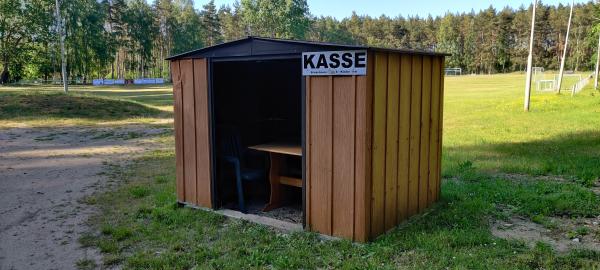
(484, 124)
(85, 105)
(498, 163)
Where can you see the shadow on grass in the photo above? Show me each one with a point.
(571, 155)
(70, 106)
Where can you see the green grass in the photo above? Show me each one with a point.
(152, 232)
(484, 123)
(498, 162)
(55, 105)
(84, 264)
(84, 105)
(159, 96)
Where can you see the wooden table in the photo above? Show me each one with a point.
(277, 151)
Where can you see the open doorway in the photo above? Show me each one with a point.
(257, 106)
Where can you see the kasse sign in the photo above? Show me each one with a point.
(334, 63)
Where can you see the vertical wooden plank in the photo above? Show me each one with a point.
(178, 118)
(321, 153)
(404, 136)
(434, 131)
(203, 162)
(189, 129)
(343, 156)
(415, 135)
(364, 110)
(391, 148)
(440, 128)
(308, 141)
(379, 123)
(425, 124)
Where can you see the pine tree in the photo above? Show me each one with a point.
(504, 41)
(211, 23)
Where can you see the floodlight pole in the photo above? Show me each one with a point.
(562, 61)
(530, 61)
(597, 64)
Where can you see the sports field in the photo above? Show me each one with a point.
(484, 123)
(520, 191)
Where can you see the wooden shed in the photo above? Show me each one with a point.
(362, 129)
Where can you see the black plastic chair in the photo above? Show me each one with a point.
(233, 153)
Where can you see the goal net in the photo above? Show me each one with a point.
(453, 71)
(538, 74)
(543, 84)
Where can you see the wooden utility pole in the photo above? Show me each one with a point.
(530, 61)
(61, 32)
(564, 56)
(597, 64)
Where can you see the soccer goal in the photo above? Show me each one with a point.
(538, 74)
(453, 71)
(545, 85)
(542, 84)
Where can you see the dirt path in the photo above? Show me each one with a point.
(43, 175)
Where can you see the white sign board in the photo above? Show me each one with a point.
(334, 63)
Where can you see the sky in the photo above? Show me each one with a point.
(393, 8)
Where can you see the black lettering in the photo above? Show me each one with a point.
(308, 61)
(334, 58)
(322, 62)
(347, 60)
(360, 59)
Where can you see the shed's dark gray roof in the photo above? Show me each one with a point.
(260, 46)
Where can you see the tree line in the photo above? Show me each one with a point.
(131, 38)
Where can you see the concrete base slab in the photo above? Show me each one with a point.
(267, 221)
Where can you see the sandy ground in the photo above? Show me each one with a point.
(44, 172)
(563, 237)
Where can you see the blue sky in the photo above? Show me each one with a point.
(392, 8)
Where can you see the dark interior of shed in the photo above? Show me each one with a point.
(256, 102)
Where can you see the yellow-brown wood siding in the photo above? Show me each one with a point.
(379, 140)
(406, 137)
(434, 138)
(363, 134)
(391, 143)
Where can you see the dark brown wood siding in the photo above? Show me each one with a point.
(192, 133)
